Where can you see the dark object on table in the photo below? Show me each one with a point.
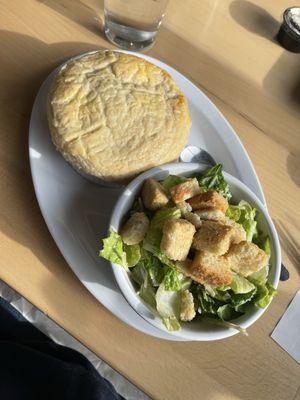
(34, 367)
(289, 33)
(284, 273)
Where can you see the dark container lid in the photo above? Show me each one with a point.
(289, 32)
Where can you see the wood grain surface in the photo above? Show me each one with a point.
(227, 48)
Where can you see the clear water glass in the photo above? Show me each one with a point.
(133, 24)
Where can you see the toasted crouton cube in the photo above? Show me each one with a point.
(177, 238)
(194, 219)
(184, 266)
(185, 190)
(135, 229)
(153, 195)
(187, 307)
(209, 199)
(211, 269)
(186, 213)
(184, 207)
(246, 258)
(213, 237)
(239, 233)
(211, 214)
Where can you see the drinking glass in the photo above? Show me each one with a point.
(133, 24)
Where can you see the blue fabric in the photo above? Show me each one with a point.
(33, 367)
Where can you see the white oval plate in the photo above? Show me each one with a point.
(77, 212)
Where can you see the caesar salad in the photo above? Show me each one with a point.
(190, 253)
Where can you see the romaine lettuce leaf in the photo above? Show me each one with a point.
(263, 241)
(213, 179)
(163, 215)
(216, 293)
(133, 254)
(154, 267)
(240, 285)
(245, 217)
(259, 277)
(139, 274)
(113, 249)
(264, 295)
(117, 252)
(147, 294)
(172, 324)
(168, 307)
(238, 300)
(234, 213)
(172, 280)
(227, 312)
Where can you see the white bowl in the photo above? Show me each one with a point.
(195, 330)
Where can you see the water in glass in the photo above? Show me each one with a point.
(133, 24)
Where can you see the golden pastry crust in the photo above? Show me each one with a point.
(113, 115)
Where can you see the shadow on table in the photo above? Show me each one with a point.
(15, 114)
(80, 13)
(283, 80)
(254, 18)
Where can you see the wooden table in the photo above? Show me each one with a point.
(228, 49)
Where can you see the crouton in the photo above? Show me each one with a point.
(184, 207)
(135, 229)
(186, 213)
(184, 266)
(177, 238)
(246, 258)
(185, 190)
(193, 219)
(238, 234)
(208, 199)
(211, 214)
(208, 268)
(153, 195)
(213, 237)
(187, 307)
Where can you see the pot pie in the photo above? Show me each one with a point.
(113, 115)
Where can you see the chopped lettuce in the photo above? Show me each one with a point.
(216, 293)
(172, 180)
(172, 280)
(227, 312)
(113, 249)
(240, 285)
(147, 294)
(259, 277)
(117, 252)
(163, 215)
(168, 305)
(234, 213)
(263, 241)
(155, 269)
(213, 179)
(172, 324)
(137, 206)
(139, 274)
(246, 217)
(133, 254)
(264, 295)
